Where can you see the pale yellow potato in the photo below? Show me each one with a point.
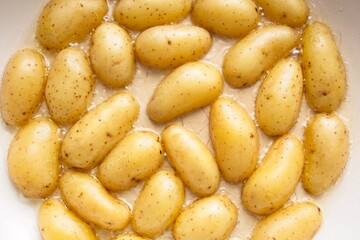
(89, 199)
(226, 17)
(324, 69)
(191, 159)
(235, 139)
(326, 143)
(172, 45)
(279, 98)
(56, 222)
(112, 55)
(271, 185)
(158, 204)
(254, 54)
(91, 138)
(211, 218)
(67, 21)
(187, 88)
(70, 86)
(129, 237)
(33, 158)
(142, 14)
(134, 159)
(23, 86)
(299, 221)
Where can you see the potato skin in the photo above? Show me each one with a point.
(250, 57)
(271, 185)
(23, 86)
(33, 158)
(235, 139)
(129, 237)
(326, 143)
(324, 69)
(172, 45)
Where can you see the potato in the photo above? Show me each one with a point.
(229, 18)
(271, 185)
(293, 13)
(33, 158)
(279, 98)
(326, 143)
(187, 88)
(66, 21)
(142, 14)
(235, 139)
(89, 199)
(56, 222)
(129, 237)
(254, 54)
(299, 221)
(133, 160)
(23, 86)
(211, 218)
(158, 204)
(70, 86)
(191, 159)
(171, 46)
(112, 55)
(91, 138)
(324, 69)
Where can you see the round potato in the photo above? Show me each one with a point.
(129, 237)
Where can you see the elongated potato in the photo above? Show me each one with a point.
(235, 139)
(250, 57)
(56, 222)
(229, 18)
(271, 185)
(189, 87)
(65, 21)
(158, 204)
(70, 86)
(112, 55)
(129, 237)
(23, 86)
(211, 218)
(191, 159)
(33, 158)
(279, 98)
(326, 142)
(172, 45)
(134, 159)
(324, 69)
(89, 199)
(299, 221)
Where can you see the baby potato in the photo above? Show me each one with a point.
(211, 218)
(326, 143)
(129, 237)
(188, 87)
(279, 98)
(235, 139)
(33, 158)
(65, 21)
(158, 204)
(254, 54)
(89, 199)
(172, 45)
(91, 138)
(70, 86)
(134, 159)
(22, 86)
(112, 55)
(56, 222)
(299, 221)
(191, 159)
(229, 18)
(142, 14)
(271, 185)
(324, 69)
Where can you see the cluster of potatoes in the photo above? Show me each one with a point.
(41, 159)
